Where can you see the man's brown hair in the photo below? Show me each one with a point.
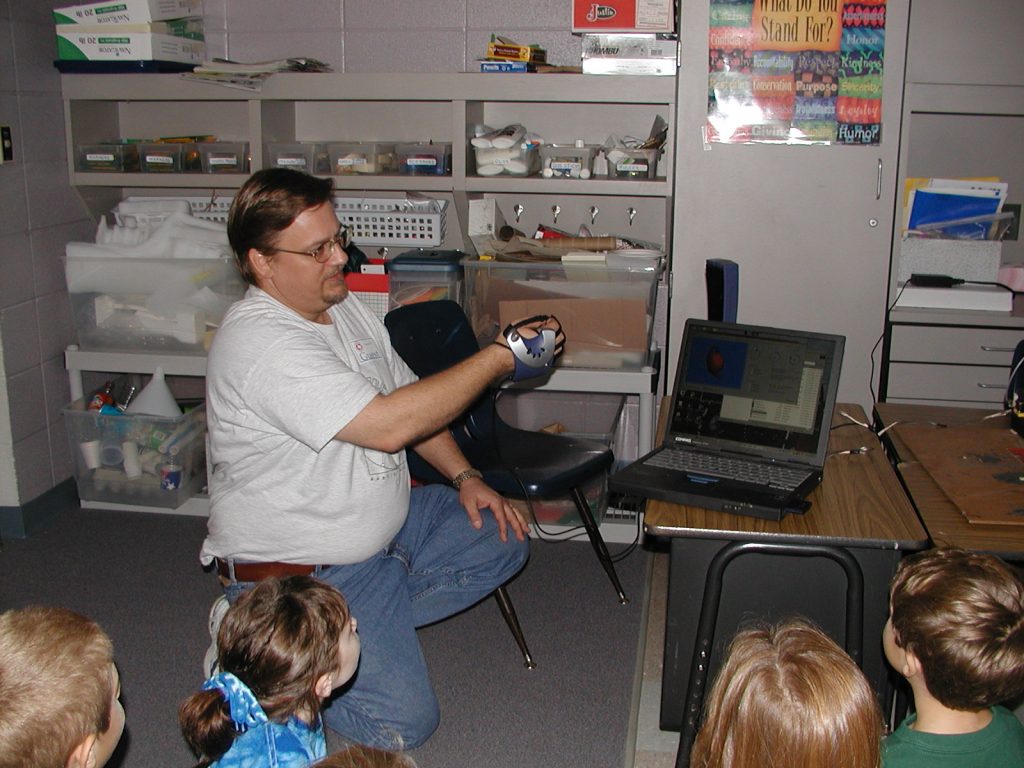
(267, 204)
(962, 614)
(787, 695)
(56, 685)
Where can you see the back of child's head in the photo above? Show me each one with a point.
(56, 685)
(277, 639)
(787, 695)
(962, 615)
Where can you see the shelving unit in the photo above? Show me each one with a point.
(392, 108)
(963, 116)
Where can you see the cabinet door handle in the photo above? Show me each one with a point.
(983, 385)
(996, 349)
(878, 181)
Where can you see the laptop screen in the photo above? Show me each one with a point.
(766, 391)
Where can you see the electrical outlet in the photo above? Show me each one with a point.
(1013, 232)
(6, 145)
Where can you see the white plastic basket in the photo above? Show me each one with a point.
(418, 223)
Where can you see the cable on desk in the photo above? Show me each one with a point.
(849, 452)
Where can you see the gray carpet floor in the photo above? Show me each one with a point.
(138, 575)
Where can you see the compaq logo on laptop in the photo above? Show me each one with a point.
(600, 13)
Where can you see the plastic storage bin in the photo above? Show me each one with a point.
(161, 157)
(417, 276)
(150, 305)
(166, 458)
(588, 416)
(521, 160)
(300, 156)
(424, 159)
(567, 161)
(362, 158)
(224, 156)
(607, 310)
(110, 158)
(632, 163)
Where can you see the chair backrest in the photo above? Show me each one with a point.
(431, 336)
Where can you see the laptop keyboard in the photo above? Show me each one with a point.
(716, 465)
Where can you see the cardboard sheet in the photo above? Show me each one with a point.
(980, 469)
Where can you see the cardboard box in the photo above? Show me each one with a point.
(964, 259)
(191, 28)
(127, 11)
(624, 16)
(114, 45)
(531, 54)
(629, 54)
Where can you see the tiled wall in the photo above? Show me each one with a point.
(40, 212)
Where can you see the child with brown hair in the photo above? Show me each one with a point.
(284, 647)
(956, 633)
(59, 691)
(787, 695)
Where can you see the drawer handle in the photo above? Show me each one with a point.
(983, 385)
(996, 349)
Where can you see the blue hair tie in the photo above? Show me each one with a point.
(245, 709)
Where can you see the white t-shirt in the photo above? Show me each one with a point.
(279, 388)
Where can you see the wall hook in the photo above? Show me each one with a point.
(518, 209)
(632, 214)
(555, 210)
(594, 210)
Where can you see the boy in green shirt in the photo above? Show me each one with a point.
(956, 633)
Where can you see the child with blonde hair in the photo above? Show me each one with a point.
(787, 695)
(956, 633)
(59, 691)
(284, 647)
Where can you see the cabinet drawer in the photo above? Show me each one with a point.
(967, 383)
(947, 344)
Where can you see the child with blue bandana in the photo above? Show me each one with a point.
(284, 647)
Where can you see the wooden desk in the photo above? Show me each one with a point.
(860, 508)
(943, 521)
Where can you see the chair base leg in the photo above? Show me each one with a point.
(597, 542)
(509, 612)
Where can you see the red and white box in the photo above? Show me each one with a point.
(623, 15)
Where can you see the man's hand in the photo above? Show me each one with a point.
(535, 343)
(475, 494)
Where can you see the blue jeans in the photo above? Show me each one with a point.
(436, 566)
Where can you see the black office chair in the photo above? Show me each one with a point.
(434, 335)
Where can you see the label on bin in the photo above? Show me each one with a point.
(421, 161)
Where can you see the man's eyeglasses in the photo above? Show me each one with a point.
(322, 253)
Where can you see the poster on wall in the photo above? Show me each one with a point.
(795, 71)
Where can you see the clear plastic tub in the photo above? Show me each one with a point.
(136, 304)
(360, 157)
(108, 158)
(632, 163)
(137, 459)
(567, 161)
(424, 159)
(224, 156)
(522, 160)
(607, 311)
(417, 276)
(298, 155)
(161, 157)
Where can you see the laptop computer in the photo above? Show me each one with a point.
(749, 423)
